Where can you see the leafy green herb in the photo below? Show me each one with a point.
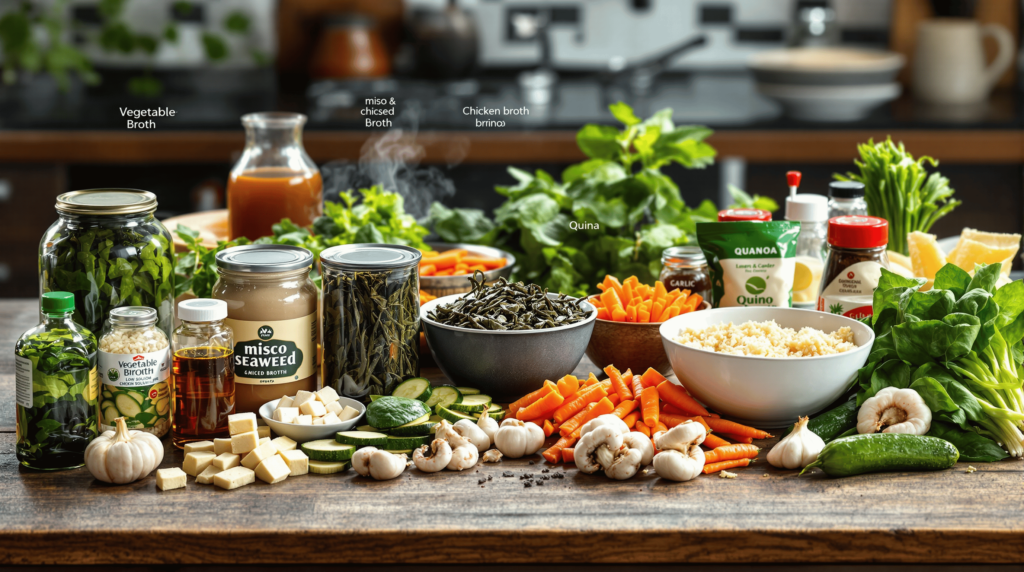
(196, 270)
(742, 200)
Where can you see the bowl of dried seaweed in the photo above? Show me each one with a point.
(507, 338)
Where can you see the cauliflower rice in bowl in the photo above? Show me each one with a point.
(767, 339)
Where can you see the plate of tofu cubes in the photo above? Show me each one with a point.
(309, 415)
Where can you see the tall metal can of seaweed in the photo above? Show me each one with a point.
(371, 318)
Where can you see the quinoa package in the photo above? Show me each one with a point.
(751, 263)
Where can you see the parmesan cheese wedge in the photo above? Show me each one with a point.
(234, 478)
(925, 255)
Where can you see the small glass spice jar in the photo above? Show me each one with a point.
(686, 268)
(134, 364)
(856, 256)
(203, 380)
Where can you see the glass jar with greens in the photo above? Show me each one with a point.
(109, 251)
(55, 388)
(371, 318)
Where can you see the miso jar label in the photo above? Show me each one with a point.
(270, 352)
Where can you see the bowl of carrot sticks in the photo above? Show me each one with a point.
(446, 268)
(629, 315)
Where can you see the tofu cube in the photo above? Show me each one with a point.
(330, 419)
(221, 446)
(234, 478)
(241, 423)
(169, 479)
(273, 470)
(197, 462)
(264, 431)
(264, 440)
(335, 407)
(297, 461)
(303, 420)
(348, 413)
(284, 402)
(327, 395)
(199, 446)
(302, 397)
(226, 461)
(285, 444)
(259, 454)
(244, 442)
(206, 477)
(318, 421)
(286, 414)
(314, 408)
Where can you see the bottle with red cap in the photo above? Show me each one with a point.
(737, 215)
(857, 254)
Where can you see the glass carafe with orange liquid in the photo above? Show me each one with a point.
(274, 178)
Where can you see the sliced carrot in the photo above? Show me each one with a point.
(576, 421)
(651, 377)
(737, 438)
(630, 420)
(624, 408)
(447, 272)
(569, 455)
(554, 453)
(667, 407)
(677, 396)
(627, 290)
(600, 408)
(641, 427)
(637, 386)
(603, 314)
(713, 441)
(618, 384)
(649, 406)
(721, 466)
(731, 452)
(611, 300)
(613, 283)
(444, 260)
(631, 312)
(548, 428)
(427, 270)
(673, 420)
(568, 385)
(490, 263)
(591, 380)
(733, 428)
(541, 408)
(658, 427)
(480, 267)
(579, 400)
(659, 291)
(695, 300)
(527, 399)
(643, 313)
(618, 315)
(614, 398)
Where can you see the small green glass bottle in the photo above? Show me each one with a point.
(56, 388)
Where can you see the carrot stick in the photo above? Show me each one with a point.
(568, 385)
(624, 408)
(541, 408)
(627, 290)
(731, 427)
(447, 272)
(527, 399)
(667, 407)
(600, 408)
(427, 270)
(580, 400)
(575, 421)
(602, 314)
(676, 395)
(673, 420)
(737, 438)
(591, 380)
(614, 398)
(642, 428)
(618, 315)
(618, 384)
(658, 427)
(631, 419)
(613, 283)
(554, 453)
(490, 263)
(637, 386)
(444, 260)
(730, 453)
(569, 455)
(643, 313)
(631, 312)
(611, 300)
(656, 309)
(651, 377)
(659, 291)
(714, 441)
(649, 406)
(548, 428)
(721, 466)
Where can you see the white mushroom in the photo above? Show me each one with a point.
(681, 457)
(439, 457)
(897, 410)
(491, 456)
(473, 433)
(463, 457)
(516, 438)
(596, 450)
(625, 464)
(608, 419)
(446, 431)
(638, 441)
(381, 465)
(488, 425)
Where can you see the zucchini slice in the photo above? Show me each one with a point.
(399, 452)
(425, 428)
(110, 414)
(472, 403)
(127, 404)
(443, 395)
(137, 396)
(497, 414)
(417, 388)
(402, 443)
(361, 438)
(453, 416)
(366, 428)
(328, 450)
(468, 390)
(327, 467)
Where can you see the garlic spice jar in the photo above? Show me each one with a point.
(133, 364)
(272, 309)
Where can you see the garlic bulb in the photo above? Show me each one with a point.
(798, 449)
(894, 410)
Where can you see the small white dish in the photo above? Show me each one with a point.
(304, 433)
(830, 103)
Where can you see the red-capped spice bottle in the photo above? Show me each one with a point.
(856, 246)
(734, 215)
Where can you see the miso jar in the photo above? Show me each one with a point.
(371, 318)
(272, 310)
(134, 363)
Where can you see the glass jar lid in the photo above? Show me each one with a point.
(858, 232)
(264, 258)
(106, 202)
(845, 189)
(683, 254)
(132, 316)
(739, 215)
(370, 257)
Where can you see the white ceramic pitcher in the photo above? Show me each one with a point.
(949, 63)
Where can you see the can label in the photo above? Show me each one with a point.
(850, 294)
(272, 352)
(135, 387)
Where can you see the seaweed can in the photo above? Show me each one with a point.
(371, 318)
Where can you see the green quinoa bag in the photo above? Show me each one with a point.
(751, 263)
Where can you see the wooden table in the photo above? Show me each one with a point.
(487, 515)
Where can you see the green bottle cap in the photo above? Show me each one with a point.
(54, 302)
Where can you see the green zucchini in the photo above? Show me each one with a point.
(468, 390)
(110, 414)
(453, 416)
(402, 443)
(127, 404)
(472, 403)
(366, 428)
(496, 414)
(361, 438)
(140, 398)
(375, 398)
(414, 429)
(832, 423)
(443, 396)
(417, 388)
(389, 411)
(884, 452)
(328, 450)
(327, 467)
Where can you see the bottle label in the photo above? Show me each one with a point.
(23, 381)
(135, 387)
(271, 352)
(850, 294)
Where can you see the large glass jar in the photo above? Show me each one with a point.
(272, 310)
(204, 380)
(274, 178)
(55, 388)
(371, 318)
(109, 251)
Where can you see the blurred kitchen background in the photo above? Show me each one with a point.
(69, 66)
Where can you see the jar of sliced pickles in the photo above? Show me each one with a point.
(371, 318)
(134, 363)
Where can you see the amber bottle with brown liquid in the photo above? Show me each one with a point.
(202, 372)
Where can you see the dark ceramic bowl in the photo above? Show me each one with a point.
(505, 364)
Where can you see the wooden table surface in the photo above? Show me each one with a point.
(487, 515)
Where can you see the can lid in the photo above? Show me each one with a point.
(858, 231)
(845, 189)
(58, 302)
(106, 202)
(264, 258)
(370, 257)
(733, 215)
(133, 316)
(202, 310)
(684, 253)
(807, 207)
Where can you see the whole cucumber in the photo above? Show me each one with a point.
(884, 452)
(833, 422)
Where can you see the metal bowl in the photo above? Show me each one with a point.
(447, 285)
(506, 364)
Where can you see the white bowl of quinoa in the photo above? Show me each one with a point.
(766, 366)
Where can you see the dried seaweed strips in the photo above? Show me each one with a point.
(505, 306)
